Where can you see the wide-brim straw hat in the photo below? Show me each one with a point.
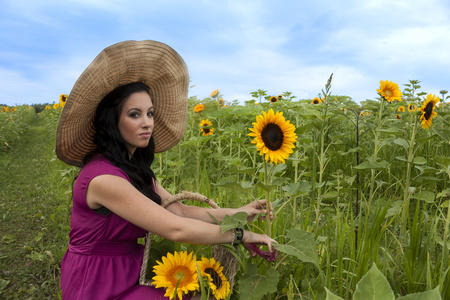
(153, 63)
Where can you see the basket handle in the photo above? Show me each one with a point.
(148, 238)
(191, 196)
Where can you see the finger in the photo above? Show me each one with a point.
(260, 204)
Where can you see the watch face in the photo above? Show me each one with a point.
(239, 234)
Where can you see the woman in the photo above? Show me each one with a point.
(130, 103)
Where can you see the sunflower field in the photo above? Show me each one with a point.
(360, 191)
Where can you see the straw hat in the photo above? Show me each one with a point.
(150, 62)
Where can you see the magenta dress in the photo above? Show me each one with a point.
(104, 259)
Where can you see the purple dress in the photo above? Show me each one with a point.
(104, 259)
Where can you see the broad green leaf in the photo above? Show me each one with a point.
(395, 208)
(425, 196)
(353, 150)
(376, 165)
(297, 188)
(419, 160)
(243, 187)
(235, 128)
(402, 142)
(237, 220)
(242, 171)
(428, 295)
(331, 296)
(266, 187)
(3, 284)
(254, 286)
(443, 133)
(373, 286)
(277, 168)
(301, 245)
(393, 130)
(332, 194)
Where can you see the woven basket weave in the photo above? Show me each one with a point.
(220, 253)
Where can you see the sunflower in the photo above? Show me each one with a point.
(273, 136)
(47, 107)
(390, 91)
(177, 273)
(213, 271)
(220, 102)
(206, 127)
(280, 97)
(401, 109)
(398, 117)
(273, 99)
(199, 108)
(5, 109)
(56, 105)
(316, 101)
(62, 99)
(427, 110)
(214, 93)
(411, 107)
(13, 109)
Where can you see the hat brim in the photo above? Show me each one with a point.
(153, 63)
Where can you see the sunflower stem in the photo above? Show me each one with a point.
(267, 182)
(375, 153)
(406, 195)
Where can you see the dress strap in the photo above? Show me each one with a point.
(106, 248)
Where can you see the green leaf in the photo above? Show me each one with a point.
(393, 130)
(419, 160)
(243, 187)
(376, 165)
(242, 171)
(428, 295)
(253, 286)
(266, 187)
(331, 296)
(374, 286)
(443, 133)
(301, 245)
(402, 142)
(3, 284)
(329, 195)
(237, 220)
(425, 196)
(297, 188)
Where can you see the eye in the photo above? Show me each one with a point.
(151, 114)
(134, 115)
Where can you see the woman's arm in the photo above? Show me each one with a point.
(204, 214)
(123, 199)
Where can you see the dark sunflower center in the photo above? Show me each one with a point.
(272, 136)
(214, 276)
(428, 111)
(316, 101)
(206, 130)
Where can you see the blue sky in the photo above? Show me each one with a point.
(235, 46)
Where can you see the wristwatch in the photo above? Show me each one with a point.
(239, 232)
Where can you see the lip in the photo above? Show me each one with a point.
(145, 135)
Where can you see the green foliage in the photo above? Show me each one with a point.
(362, 188)
(255, 286)
(374, 286)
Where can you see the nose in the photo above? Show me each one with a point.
(148, 122)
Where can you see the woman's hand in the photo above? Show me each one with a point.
(259, 239)
(257, 207)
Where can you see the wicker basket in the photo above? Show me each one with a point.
(220, 253)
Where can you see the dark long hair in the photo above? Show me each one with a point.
(111, 144)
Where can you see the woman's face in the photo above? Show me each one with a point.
(136, 121)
